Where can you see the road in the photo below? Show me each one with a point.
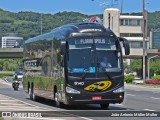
(137, 98)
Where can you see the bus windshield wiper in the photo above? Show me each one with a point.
(106, 73)
(83, 76)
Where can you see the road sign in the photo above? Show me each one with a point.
(95, 20)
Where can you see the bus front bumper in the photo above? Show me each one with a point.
(94, 98)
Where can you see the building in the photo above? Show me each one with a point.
(10, 41)
(127, 26)
(154, 40)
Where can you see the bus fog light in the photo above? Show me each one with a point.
(71, 90)
(120, 96)
(119, 90)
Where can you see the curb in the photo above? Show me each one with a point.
(143, 86)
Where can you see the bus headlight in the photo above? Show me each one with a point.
(119, 90)
(71, 90)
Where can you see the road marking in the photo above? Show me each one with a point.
(5, 100)
(149, 110)
(155, 98)
(16, 107)
(27, 103)
(46, 118)
(119, 104)
(86, 118)
(33, 118)
(11, 103)
(155, 92)
(130, 95)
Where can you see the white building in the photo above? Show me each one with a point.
(10, 41)
(127, 26)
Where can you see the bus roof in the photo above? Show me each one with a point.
(63, 32)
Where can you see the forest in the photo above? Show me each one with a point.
(28, 24)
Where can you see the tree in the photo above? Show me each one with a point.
(126, 67)
(1, 64)
(155, 67)
(136, 65)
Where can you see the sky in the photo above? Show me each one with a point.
(89, 7)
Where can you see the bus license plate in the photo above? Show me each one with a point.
(96, 97)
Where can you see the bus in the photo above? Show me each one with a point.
(65, 65)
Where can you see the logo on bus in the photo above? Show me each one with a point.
(98, 86)
(78, 83)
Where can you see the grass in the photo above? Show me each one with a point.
(1, 118)
(153, 85)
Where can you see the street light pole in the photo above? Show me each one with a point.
(108, 3)
(144, 45)
(149, 65)
(121, 6)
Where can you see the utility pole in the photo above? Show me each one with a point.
(144, 45)
(121, 6)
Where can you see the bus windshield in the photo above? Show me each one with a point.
(93, 55)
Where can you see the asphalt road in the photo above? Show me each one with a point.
(137, 98)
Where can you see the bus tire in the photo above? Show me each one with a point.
(57, 102)
(104, 106)
(32, 94)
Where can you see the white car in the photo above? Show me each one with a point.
(19, 76)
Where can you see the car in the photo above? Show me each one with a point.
(19, 75)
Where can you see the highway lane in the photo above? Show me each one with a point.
(142, 98)
(6, 89)
(18, 101)
(135, 99)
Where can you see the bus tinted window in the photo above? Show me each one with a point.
(86, 54)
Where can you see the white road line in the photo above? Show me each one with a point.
(6, 100)
(119, 104)
(11, 103)
(28, 103)
(20, 109)
(86, 118)
(43, 118)
(155, 98)
(32, 108)
(16, 107)
(130, 95)
(149, 110)
(155, 91)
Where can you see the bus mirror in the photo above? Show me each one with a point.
(63, 47)
(125, 45)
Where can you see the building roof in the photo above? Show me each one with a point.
(135, 38)
(12, 37)
(130, 17)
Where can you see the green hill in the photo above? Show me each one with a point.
(28, 24)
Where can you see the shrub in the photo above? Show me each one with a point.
(157, 77)
(2, 75)
(152, 82)
(128, 78)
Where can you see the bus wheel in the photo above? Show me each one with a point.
(34, 97)
(104, 106)
(58, 103)
(32, 94)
